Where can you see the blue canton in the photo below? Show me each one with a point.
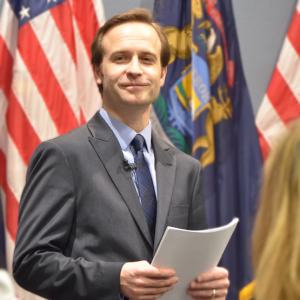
(26, 10)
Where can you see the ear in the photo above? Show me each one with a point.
(163, 76)
(98, 74)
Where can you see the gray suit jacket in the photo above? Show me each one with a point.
(80, 216)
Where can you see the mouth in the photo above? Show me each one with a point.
(133, 85)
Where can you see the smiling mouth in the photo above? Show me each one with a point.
(133, 85)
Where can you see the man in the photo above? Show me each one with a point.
(90, 221)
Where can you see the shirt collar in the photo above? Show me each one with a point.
(124, 133)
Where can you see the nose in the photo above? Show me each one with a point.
(134, 68)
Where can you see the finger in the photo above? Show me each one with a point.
(165, 272)
(150, 271)
(213, 284)
(154, 291)
(139, 268)
(200, 298)
(150, 297)
(142, 292)
(156, 282)
(214, 274)
(207, 294)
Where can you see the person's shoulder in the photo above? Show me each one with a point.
(58, 150)
(72, 141)
(73, 138)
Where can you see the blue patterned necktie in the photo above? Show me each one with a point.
(144, 183)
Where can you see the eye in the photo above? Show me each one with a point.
(120, 58)
(147, 60)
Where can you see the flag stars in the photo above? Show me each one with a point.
(48, 1)
(24, 12)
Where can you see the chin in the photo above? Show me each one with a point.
(137, 101)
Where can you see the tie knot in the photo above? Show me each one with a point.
(138, 142)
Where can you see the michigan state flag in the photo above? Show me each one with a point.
(204, 109)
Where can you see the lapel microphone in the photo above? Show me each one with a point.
(127, 166)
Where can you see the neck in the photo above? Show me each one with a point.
(135, 117)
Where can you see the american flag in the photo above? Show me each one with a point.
(281, 104)
(47, 86)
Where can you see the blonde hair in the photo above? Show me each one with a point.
(276, 236)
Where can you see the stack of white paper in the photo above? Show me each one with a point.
(191, 253)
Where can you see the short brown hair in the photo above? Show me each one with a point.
(141, 15)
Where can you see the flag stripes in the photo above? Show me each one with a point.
(12, 205)
(46, 81)
(281, 104)
(269, 123)
(62, 65)
(2, 169)
(6, 63)
(12, 210)
(32, 102)
(87, 22)
(87, 87)
(9, 27)
(278, 91)
(264, 145)
(288, 58)
(47, 86)
(99, 11)
(293, 34)
(16, 168)
(20, 129)
(62, 16)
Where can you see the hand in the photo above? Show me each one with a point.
(140, 281)
(204, 285)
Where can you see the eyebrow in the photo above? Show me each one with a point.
(126, 51)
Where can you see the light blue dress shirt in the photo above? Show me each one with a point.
(125, 135)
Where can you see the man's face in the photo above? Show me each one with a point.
(131, 71)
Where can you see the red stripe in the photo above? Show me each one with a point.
(264, 145)
(2, 170)
(12, 205)
(6, 67)
(20, 129)
(282, 98)
(12, 213)
(62, 16)
(87, 22)
(294, 32)
(45, 80)
(82, 118)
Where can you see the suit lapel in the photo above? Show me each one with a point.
(109, 151)
(165, 163)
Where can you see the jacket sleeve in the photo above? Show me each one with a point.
(197, 212)
(47, 212)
